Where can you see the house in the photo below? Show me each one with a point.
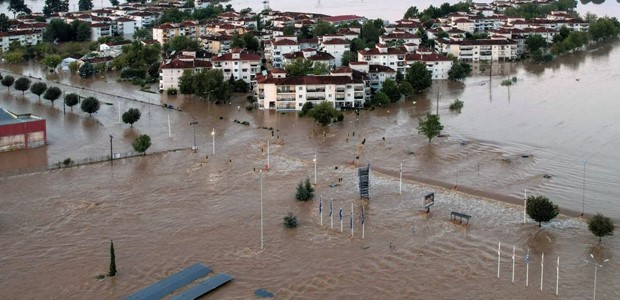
(438, 64)
(21, 131)
(393, 57)
(98, 30)
(238, 64)
(336, 46)
(23, 37)
(281, 45)
(219, 43)
(344, 19)
(169, 72)
(291, 93)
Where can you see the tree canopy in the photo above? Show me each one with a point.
(8, 81)
(459, 71)
(131, 116)
(90, 105)
(391, 90)
(22, 84)
(72, 99)
(18, 6)
(541, 209)
(535, 42)
(85, 5)
(4, 23)
(38, 88)
(54, 6)
(137, 56)
(419, 77)
(141, 143)
(600, 226)
(86, 70)
(52, 93)
(324, 113)
(210, 85)
(430, 126)
(181, 42)
(59, 31)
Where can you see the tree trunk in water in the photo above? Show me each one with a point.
(539, 224)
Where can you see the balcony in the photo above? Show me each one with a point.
(358, 88)
(285, 98)
(315, 98)
(340, 90)
(358, 96)
(315, 90)
(286, 91)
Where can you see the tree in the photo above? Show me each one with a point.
(237, 42)
(299, 67)
(322, 28)
(52, 60)
(18, 6)
(406, 89)
(380, 99)
(289, 30)
(459, 71)
(141, 143)
(210, 85)
(112, 270)
(85, 5)
(54, 6)
(320, 69)
(371, 31)
(535, 42)
(411, 12)
(391, 90)
(22, 84)
(305, 109)
(90, 105)
(541, 209)
(419, 77)
(308, 187)
(4, 23)
(399, 77)
(324, 113)
(131, 116)
(114, 3)
(86, 70)
(181, 42)
(72, 99)
(52, 93)
(142, 34)
(347, 57)
(600, 226)
(430, 126)
(251, 42)
(356, 45)
(8, 81)
(290, 220)
(185, 82)
(38, 88)
(80, 31)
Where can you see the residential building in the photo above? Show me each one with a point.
(438, 64)
(384, 56)
(238, 64)
(335, 46)
(477, 50)
(169, 72)
(19, 131)
(24, 37)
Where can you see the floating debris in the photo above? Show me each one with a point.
(263, 293)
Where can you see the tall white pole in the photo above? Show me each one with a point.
(119, 111)
(400, 186)
(363, 222)
(499, 252)
(341, 216)
(513, 263)
(583, 199)
(315, 168)
(527, 268)
(262, 239)
(542, 270)
(169, 130)
(524, 207)
(595, 269)
(267, 154)
(557, 277)
(213, 136)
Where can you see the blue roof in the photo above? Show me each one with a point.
(168, 285)
(203, 287)
(7, 117)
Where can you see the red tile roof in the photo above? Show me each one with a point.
(184, 64)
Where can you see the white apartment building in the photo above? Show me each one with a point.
(279, 46)
(170, 72)
(336, 47)
(238, 64)
(98, 30)
(477, 50)
(24, 37)
(438, 64)
(291, 93)
(384, 56)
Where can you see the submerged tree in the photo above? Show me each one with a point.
(141, 143)
(112, 271)
(38, 88)
(600, 226)
(430, 126)
(72, 99)
(541, 209)
(22, 84)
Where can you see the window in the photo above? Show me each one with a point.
(301, 88)
(236, 63)
(299, 97)
(244, 70)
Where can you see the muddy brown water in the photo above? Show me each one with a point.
(169, 210)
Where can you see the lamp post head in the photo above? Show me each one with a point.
(111, 137)
(213, 132)
(591, 255)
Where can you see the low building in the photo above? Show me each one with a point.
(238, 64)
(170, 71)
(21, 131)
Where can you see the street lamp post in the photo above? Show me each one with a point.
(583, 199)
(438, 94)
(596, 266)
(314, 168)
(193, 124)
(262, 239)
(111, 155)
(213, 136)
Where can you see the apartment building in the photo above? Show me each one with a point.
(169, 72)
(238, 64)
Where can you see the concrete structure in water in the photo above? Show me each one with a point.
(19, 131)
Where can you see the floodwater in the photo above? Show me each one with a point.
(169, 210)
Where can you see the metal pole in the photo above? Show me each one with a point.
(315, 168)
(542, 270)
(527, 268)
(583, 200)
(557, 277)
(595, 269)
(169, 131)
(262, 239)
(119, 111)
(267, 154)
(213, 136)
(525, 207)
(499, 250)
(513, 263)
(438, 99)
(111, 155)
(193, 124)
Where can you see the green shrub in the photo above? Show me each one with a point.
(67, 162)
(305, 191)
(456, 105)
(171, 91)
(290, 221)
